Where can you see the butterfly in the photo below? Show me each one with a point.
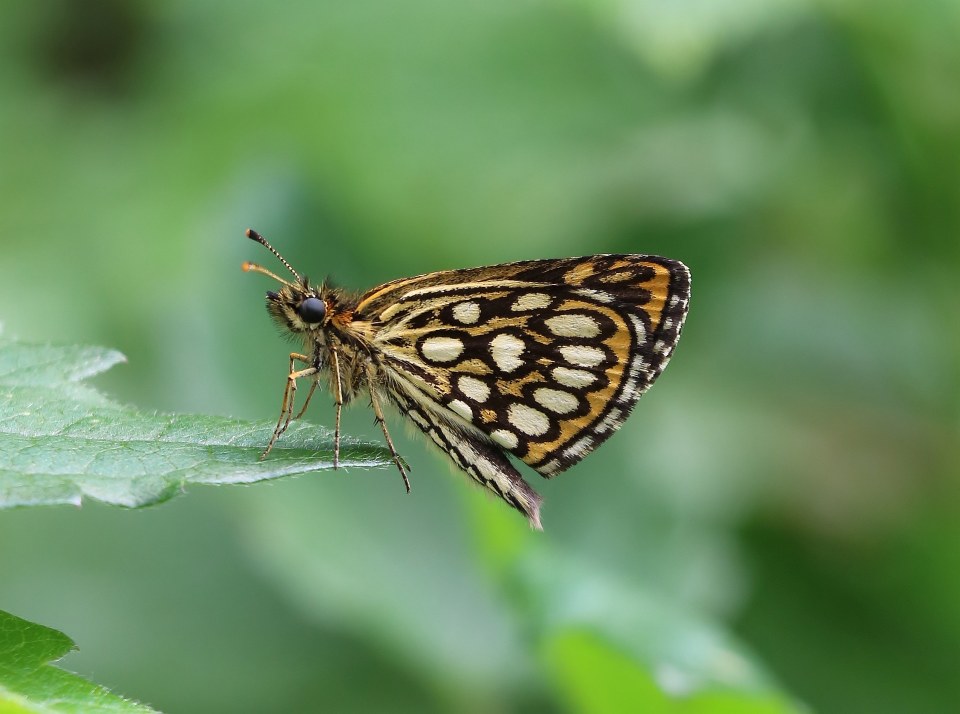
(539, 359)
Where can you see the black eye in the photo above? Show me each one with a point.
(312, 310)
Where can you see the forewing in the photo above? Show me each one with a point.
(543, 358)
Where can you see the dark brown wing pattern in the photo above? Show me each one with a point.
(543, 359)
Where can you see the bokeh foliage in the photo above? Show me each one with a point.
(789, 487)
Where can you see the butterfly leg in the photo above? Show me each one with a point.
(378, 413)
(292, 386)
(303, 409)
(338, 404)
(289, 395)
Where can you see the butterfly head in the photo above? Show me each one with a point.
(296, 306)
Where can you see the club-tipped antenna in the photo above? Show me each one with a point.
(249, 267)
(253, 235)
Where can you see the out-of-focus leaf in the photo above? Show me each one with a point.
(658, 652)
(61, 441)
(29, 684)
(406, 582)
(595, 677)
(427, 601)
(680, 39)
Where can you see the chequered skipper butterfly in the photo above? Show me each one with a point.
(542, 359)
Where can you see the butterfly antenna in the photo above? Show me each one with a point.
(253, 235)
(249, 267)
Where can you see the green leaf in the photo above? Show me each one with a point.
(594, 676)
(61, 440)
(28, 683)
(612, 646)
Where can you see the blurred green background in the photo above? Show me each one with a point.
(777, 525)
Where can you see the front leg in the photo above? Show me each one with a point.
(289, 395)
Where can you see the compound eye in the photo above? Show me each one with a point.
(312, 310)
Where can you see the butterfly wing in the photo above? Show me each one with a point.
(543, 359)
(471, 451)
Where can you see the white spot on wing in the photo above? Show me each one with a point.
(461, 408)
(505, 438)
(531, 301)
(441, 349)
(506, 350)
(576, 378)
(582, 355)
(573, 325)
(473, 388)
(528, 420)
(556, 401)
(466, 312)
